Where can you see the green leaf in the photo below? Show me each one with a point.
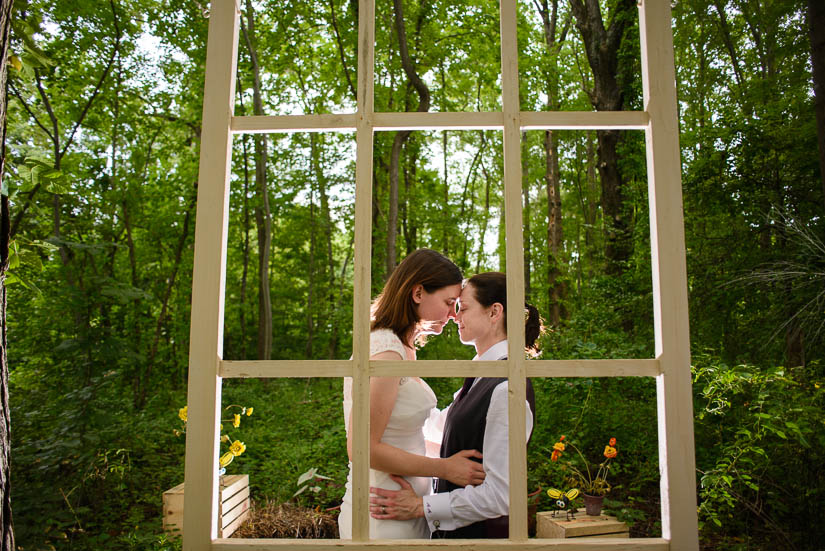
(306, 476)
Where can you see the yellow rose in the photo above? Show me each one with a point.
(236, 422)
(249, 411)
(226, 459)
(237, 448)
(182, 412)
(558, 446)
(609, 452)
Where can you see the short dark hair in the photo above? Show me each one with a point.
(491, 287)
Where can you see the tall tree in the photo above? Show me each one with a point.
(816, 22)
(401, 137)
(6, 525)
(553, 40)
(602, 48)
(263, 216)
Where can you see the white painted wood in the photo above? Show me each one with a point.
(578, 544)
(515, 271)
(285, 368)
(579, 120)
(552, 120)
(259, 124)
(670, 304)
(439, 121)
(593, 368)
(671, 366)
(438, 368)
(208, 281)
(362, 265)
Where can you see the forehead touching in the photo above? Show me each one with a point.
(449, 293)
(467, 294)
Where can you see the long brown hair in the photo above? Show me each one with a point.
(395, 308)
(491, 287)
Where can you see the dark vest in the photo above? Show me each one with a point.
(464, 430)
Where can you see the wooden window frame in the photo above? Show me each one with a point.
(670, 367)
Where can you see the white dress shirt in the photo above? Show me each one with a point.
(491, 498)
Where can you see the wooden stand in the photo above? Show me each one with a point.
(233, 506)
(583, 526)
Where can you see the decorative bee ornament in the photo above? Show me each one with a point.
(562, 501)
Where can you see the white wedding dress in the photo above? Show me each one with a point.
(413, 406)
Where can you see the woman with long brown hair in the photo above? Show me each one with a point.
(418, 299)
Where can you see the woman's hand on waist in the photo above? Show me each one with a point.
(461, 470)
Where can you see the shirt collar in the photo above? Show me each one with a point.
(498, 350)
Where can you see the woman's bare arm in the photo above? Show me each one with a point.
(459, 468)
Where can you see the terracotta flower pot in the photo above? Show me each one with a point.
(593, 504)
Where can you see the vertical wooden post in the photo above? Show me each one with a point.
(515, 271)
(360, 427)
(208, 280)
(670, 304)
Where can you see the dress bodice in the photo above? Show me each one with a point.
(405, 430)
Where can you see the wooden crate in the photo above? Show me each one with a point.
(583, 526)
(233, 506)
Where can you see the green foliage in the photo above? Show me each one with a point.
(759, 449)
(104, 130)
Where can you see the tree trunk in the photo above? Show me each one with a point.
(7, 535)
(602, 48)
(401, 137)
(593, 199)
(525, 191)
(618, 247)
(392, 211)
(311, 273)
(410, 227)
(326, 221)
(816, 20)
(556, 290)
(486, 217)
(263, 216)
(140, 397)
(246, 224)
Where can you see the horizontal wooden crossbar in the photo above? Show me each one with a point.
(593, 368)
(575, 544)
(530, 120)
(439, 368)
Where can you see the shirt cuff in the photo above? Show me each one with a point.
(438, 512)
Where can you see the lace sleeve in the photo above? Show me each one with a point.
(384, 340)
(381, 340)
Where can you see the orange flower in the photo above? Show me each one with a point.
(612, 441)
(562, 438)
(610, 452)
(558, 446)
(555, 456)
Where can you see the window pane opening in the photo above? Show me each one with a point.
(297, 58)
(454, 50)
(308, 216)
(587, 242)
(597, 417)
(296, 491)
(554, 67)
